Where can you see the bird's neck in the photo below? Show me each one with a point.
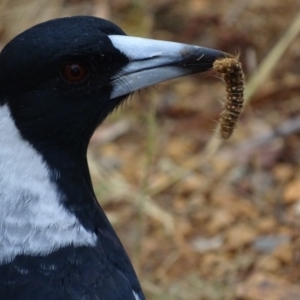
(46, 197)
(72, 178)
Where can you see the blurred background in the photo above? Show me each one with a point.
(201, 218)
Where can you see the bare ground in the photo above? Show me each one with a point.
(201, 219)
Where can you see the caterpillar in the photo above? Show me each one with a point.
(231, 70)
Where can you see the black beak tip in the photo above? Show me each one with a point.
(201, 59)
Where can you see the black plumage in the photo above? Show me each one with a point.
(58, 81)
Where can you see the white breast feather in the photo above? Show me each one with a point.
(135, 295)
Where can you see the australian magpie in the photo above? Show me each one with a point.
(58, 81)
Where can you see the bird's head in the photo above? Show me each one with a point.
(61, 78)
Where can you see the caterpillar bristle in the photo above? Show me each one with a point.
(231, 70)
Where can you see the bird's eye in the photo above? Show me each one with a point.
(74, 72)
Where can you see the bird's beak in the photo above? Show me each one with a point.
(153, 61)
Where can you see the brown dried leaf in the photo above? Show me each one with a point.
(260, 286)
(292, 191)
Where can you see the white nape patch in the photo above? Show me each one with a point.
(135, 295)
(32, 219)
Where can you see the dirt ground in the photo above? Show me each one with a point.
(201, 218)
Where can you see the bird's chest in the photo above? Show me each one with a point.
(71, 273)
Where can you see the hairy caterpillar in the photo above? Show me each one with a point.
(231, 70)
